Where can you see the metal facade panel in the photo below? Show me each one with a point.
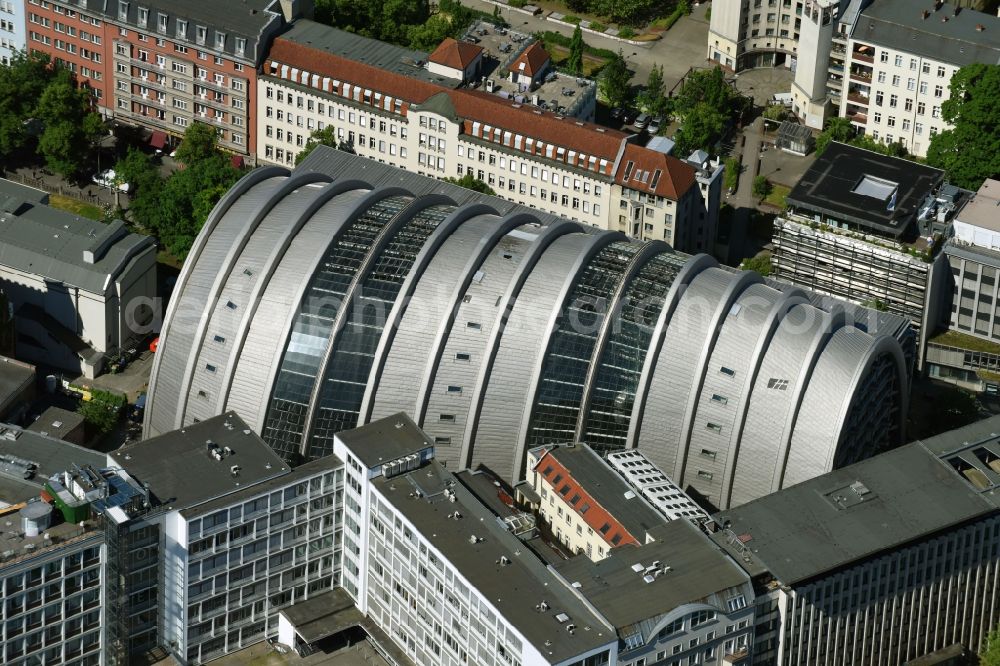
(158, 416)
(479, 304)
(817, 430)
(398, 385)
(677, 366)
(521, 347)
(192, 300)
(221, 334)
(266, 337)
(711, 443)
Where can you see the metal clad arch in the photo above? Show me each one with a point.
(321, 196)
(786, 301)
(416, 205)
(733, 291)
(485, 246)
(816, 436)
(423, 260)
(689, 272)
(245, 183)
(638, 262)
(548, 235)
(293, 182)
(833, 322)
(406, 354)
(594, 245)
(191, 300)
(257, 366)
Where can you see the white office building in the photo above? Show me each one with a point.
(433, 567)
(654, 486)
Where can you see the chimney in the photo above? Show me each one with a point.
(925, 14)
(296, 9)
(980, 27)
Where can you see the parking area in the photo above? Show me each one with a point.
(762, 84)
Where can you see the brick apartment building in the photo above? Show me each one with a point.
(163, 64)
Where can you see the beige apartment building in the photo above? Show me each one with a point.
(386, 106)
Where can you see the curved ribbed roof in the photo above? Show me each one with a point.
(313, 303)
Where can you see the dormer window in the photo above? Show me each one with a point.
(202, 31)
(220, 40)
(241, 45)
(161, 25)
(182, 29)
(143, 16)
(122, 11)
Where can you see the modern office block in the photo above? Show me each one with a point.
(880, 562)
(12, 36)
(317, 301)
(654, 486)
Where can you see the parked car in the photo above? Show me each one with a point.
(654, 126)
(107, 179)
(642, 121)
(617, 112)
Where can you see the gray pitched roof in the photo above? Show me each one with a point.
(253, 20)
(900, 25)
(54, 244)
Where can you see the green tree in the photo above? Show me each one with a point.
(321, 137)
(761, 187)
(102, 411)
(631, 12)
(575, 60)
(775, 112)
(427, 36)
(200, 142)
(614, 83)
(22, 83)
(761, 263)
(990, 655)
(146, 185)
(70, 127)
(705, 105)
(653, 98)
(837, 129)
(188, 197)
(470, 182)
(970, 150)
(731, 177)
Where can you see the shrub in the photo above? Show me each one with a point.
(598, 27)
(626, 33)
(517, 3)
(575, 20)
(761, 187)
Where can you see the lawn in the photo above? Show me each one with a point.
(964, 341)
(777, 196)
(591, 64)
(76, 207)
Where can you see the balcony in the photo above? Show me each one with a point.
(861, 76)
(863, 54)
(857, 117)
(856, 97)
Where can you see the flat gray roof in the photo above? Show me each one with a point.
(51, 455)
(900, 25)
(861, 510)
(180, 472)
(698, 569)
(514, 589)
(14, 377)
(56, 422)
(386, 439)
(983, 210)
(385, 56)
(608, 488)
(41, 240)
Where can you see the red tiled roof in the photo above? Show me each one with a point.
(455, 54)
(675, 178)
(534, 59)
(596, 516)
(324, 63)
(569, 133)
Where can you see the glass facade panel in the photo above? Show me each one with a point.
(568, 357)
(285, 421)
(354, 349)
(613, 394)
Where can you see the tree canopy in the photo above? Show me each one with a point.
(174, 209)
(34, 89)
(705, 105)
(575, 60)
(614, 83)
(320, 137)
(970, 151)
(990, 656)
(470, 182)
(653, 98)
